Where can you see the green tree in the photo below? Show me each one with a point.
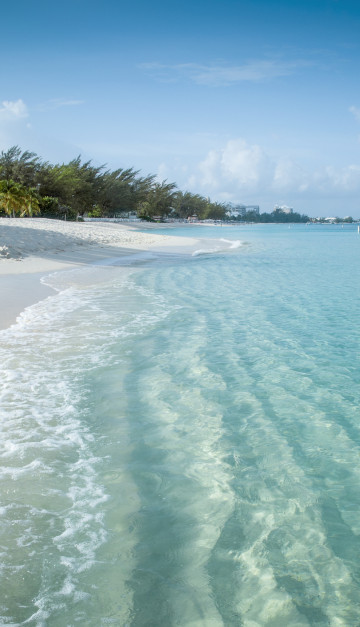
(49, 206)
(76, 185)
(215, 211)
(159, 200)
(187, 204)
(31, 203)
(96, 212)
(116, 190)
(12, 197)
(20, 167)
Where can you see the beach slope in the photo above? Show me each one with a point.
(32, 247)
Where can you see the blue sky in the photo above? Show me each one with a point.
(255, 102)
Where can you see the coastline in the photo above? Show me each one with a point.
(19, 291)
(32, 248)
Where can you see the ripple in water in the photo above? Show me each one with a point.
(181, 444)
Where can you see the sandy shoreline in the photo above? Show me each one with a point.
(31, 248)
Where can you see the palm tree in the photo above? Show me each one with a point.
(30, 202)
(11, 197)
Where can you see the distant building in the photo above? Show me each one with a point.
(235, 211)
(130, 215)
(283, 209)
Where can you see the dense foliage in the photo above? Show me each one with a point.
(275, 216)
(29, 185)
(18, 199)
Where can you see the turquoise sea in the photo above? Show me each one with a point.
(180, 438)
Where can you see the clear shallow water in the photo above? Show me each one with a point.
(180, 443)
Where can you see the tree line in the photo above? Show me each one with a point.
(275, 216)
(31, 186)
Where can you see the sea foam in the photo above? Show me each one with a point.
(218, 246)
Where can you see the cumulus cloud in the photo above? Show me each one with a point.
(240, 170)
(221, 74)
(237, 163)
(346, 179)
(288, 174)
(13, 109)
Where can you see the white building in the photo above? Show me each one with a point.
(237, 210)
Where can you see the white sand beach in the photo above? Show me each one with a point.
(32, 247)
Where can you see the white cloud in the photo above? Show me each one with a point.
(244, 163)
(346, 179)
(237, 163)
(220, 74)
(240, 170)
(210, 169)
(13, 109)
(356, 112)
(289, 175)
(162, 172)
(14, 125)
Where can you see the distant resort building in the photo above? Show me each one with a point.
(283, 209)
(234, 211)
